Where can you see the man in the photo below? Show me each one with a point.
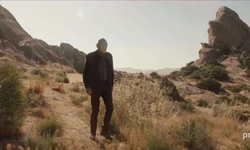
(98, 78)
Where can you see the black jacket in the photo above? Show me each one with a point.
(90, 71)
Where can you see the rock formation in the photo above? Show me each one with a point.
(15, 42)
(227, 34)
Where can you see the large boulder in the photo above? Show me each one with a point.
(228, 29)
(227, 34)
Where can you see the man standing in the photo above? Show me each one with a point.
(98, 78)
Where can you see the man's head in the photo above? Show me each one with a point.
(102, 45)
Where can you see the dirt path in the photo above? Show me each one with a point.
(75, 122)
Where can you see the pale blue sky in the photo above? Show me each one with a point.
(141, 34)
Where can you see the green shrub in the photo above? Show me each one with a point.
(202, 103)
(244, 62)
(66, 80)
(60, 79)
(245, 144)
(214, 72)
(235, 88)
(188, 70)
(210, 85)
(241, 98)
(174, 75)
(156, 142)
(188, 107)
(195, 75)
(11, 99)
(193, 134)
(40, 73)
(39, 144)
(155, 75)
(227, 100)
(50, 128)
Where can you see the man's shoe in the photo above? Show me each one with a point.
(106, 135)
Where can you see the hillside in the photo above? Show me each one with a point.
(164, 71)
(16, 43)
(202, 106)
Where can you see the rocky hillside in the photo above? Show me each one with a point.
(16, 43)
(221, 74)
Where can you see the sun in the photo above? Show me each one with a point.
(80, 13)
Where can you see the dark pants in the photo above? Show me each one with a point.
(105, 92)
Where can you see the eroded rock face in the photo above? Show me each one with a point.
(227, 34)
(10, 29)
(227, 29)
(16, 41)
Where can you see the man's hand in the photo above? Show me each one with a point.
(89, 91)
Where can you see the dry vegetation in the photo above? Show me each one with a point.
(149, 113)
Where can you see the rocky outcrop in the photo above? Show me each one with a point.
(227, 29)
(15, 41)
(10, 29)
(227, 34)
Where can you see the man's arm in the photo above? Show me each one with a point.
(112, 74)
(86, 72)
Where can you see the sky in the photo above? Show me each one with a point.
(140, 34)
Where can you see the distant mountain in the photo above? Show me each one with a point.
(164, 71)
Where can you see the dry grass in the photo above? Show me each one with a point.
(59, 88)
(78, 100)
(76, 87)
(36, 88)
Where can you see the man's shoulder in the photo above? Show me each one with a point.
(109, 54)
(91, 54)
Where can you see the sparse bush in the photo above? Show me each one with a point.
(196, 75)
(155, 75)
(188, 70)
(11, 100)
(188, 107)
(39, 144)
(246, 144)
(66, 80)
(235, 88)
(210, 85)
(60, 79)
(157, 142)
(202, 103)
(50, 128)
(244, 62)
(227, 100)
(39, 72)
(174, 75)
(241, 98)
(76, 87)
(214, 72)
(77, 101)
(193, 134)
